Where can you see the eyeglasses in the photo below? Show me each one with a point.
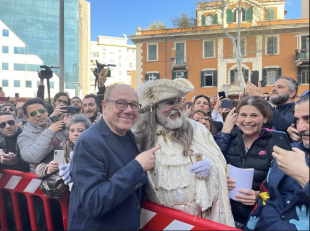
(122, 105)
(170, 103)
(76, 101)
(61, 101)
(7, 109)
(198, 119)
(10, 122)
(41, 111)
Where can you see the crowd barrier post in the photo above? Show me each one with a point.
(28, 184)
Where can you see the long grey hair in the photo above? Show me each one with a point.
(145, 132)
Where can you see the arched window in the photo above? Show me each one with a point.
(270, 15)
(209, 20)
(242, 15)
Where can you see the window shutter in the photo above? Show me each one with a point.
(230, 16)
(270, 15)
(275, 45)
(303, 42)
(215, 19)
(232, 76)
(202, 79)
(174, 75)
(214, 79)
(279, 72)
(147, 77)
(246, 75)
(212, 48)
(299, 75)
(265, 76)
(157, 76)
(249, 14)
(185, 75)
(269, 45)
(203, 20)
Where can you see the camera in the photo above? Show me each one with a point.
(47, 73)
(101, 66)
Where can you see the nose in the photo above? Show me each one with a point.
(128, 109)
(302, 126)
(248, 119)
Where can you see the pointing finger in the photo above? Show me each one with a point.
(155, 149)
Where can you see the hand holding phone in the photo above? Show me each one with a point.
(59, 156)
(281, 140)
(227, 103)
(222, 94)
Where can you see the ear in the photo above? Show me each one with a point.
(292, 94)
(265, 120)
(26, 117)
(104, 105)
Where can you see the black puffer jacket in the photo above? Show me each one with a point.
(259, 157)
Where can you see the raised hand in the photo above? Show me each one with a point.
(52, 167)
(303, 223)
(230, 121)
(252, 222)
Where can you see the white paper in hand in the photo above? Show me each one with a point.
(243, 178)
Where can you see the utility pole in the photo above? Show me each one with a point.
(61, 45)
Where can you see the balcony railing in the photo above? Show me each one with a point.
(179, 62)
(302, 54)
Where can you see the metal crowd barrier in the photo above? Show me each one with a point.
(153, 216)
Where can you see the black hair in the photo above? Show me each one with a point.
(76, 97)
(29, 102)
(8, 113)
(303, 99)
(91, 96)
(10, 105)
(49, 108)
(59, 94)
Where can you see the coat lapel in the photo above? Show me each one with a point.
(113, 142)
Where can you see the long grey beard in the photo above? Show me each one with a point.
(168, 123)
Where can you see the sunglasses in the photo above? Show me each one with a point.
(10, 122)
(7, 109)
(34, 113)
(304, 94)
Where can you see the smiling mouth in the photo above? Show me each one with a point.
(175, 114)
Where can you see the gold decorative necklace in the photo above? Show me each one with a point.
(165, 134)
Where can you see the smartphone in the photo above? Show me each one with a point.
(189, 104)
(59, 156)
(69, 109)
(254, 78)
(222, 94)
(263, 83)
(16, 95)
(227, 103)
(281, 140)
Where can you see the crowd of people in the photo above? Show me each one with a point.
(122, 146)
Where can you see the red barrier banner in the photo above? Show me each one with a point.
(28, 184)
(153, 216)
(157, 217)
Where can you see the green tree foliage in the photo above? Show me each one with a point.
(184, 22)
(157, 26)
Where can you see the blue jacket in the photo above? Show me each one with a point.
(282, 203)
(107, 192)
(282, 116)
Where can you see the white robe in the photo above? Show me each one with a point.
(172, 185)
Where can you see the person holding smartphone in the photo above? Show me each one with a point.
(247, 146)
(284, 198)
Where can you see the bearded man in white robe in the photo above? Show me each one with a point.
(189, 172)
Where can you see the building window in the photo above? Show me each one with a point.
(5, 83)
(5, 66)
(270, 15)
(272, 45)
(209, 20)
(234, 76)
(209, 51)
(16, 83)
(52, 85)
(28, 84)
(5, 49)
(304, 41)
(271, 76)
(152, 76)
(242, 15)
(152, 52)
(208, 79)
(19, 50)
(303, 75)
(5, 33)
